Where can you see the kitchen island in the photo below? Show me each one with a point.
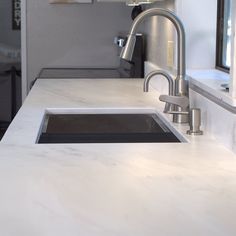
(166, 189)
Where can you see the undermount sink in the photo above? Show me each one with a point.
(105, 128)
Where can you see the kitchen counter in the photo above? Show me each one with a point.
(111, 189)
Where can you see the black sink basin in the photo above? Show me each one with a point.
(105, 128)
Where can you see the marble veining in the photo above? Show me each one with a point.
(117, 189)
(111, 189)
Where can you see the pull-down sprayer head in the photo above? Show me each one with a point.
(127, 51)
(181, 84)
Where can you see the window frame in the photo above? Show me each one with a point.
(220, 36)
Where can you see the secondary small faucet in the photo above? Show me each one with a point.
(168, 106)
(180, 98)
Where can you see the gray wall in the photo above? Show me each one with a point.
(7, 35)
(159, 31)
(73, 35)
(199, 18)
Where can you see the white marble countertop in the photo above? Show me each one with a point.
(111, 189)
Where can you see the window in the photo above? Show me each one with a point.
(223, 44)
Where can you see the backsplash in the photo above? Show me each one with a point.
(159, 31)
(216, 120)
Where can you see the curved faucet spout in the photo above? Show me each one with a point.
(168, 106)
(164, 74)
(181, 84)
(128, 49)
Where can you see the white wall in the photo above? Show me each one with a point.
(199, 18)
(73, 35)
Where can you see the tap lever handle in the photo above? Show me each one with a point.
(181, 101)
(178, 112)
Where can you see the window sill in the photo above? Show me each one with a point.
(210, 81)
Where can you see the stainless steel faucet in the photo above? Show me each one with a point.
(168, 106)
(180, 98)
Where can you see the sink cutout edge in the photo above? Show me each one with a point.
(78, 111)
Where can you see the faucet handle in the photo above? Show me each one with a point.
(181, 101)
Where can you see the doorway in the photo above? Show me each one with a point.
(10, 61)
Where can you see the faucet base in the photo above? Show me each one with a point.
(180, 118)
(190, 132)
